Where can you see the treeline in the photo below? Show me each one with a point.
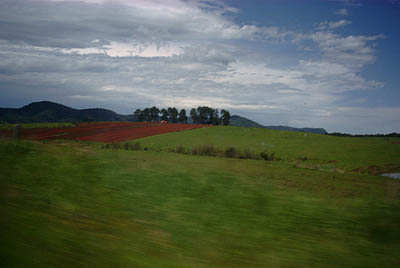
(391, 135)
(201, 115)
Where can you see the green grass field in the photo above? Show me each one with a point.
(72, 204)
(344, 152)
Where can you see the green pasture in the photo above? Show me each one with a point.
(72, 204)
(345, 153)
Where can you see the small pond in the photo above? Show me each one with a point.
(392, 175)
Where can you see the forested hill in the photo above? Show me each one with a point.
(239, 121)
(46, 111)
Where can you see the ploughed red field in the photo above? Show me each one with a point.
(103, 132)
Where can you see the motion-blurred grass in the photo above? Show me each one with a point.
(70, 204)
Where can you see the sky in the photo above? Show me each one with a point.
(302, 63)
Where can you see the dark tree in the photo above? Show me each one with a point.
(182, 116)
(202, 114)
(164, 115)
(154, 111)
(210, 116)
(173, 114)
(216, 119)
(225, 117)
(146, 115)
(138, 115)
(194, 116)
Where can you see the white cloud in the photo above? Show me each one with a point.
(352, 51)
(333, 24)
(117, 49)
(342, 12)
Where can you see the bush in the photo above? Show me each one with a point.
(247, 154)
(267, 156)
(136, 146)
(130, 146)
(115, 146)
(231, 152)
(180, 149)
(206, 149)
(127, 146)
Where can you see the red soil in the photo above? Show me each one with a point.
(104, 132)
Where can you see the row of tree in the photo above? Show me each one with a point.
(201, 115)
(210, 116)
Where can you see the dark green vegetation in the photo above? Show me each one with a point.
(240, 121)
(202, 115)
(70, 204)
(46, 111)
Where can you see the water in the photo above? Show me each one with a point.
(392, 175)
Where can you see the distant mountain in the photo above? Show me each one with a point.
(240, 121)
(46, 111)
(305, 129)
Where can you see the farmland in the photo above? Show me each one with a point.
(306, 150)
(67, 202)
(100, 132)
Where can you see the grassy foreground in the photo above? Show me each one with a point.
(70, 204)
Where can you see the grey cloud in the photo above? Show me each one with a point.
(68, 24)
(212, 66)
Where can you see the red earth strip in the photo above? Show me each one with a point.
(103, 132)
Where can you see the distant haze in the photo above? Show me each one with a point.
(325, 64)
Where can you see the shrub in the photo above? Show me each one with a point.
(115, 146)
(247, 154)
(180, 149)
(127, 146)
(136, 146)
(231, 152)
(206, 149)
(267, 156)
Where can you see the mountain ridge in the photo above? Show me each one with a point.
(240, 121)
(46, 111)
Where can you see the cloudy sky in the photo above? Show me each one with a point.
(316, 63)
